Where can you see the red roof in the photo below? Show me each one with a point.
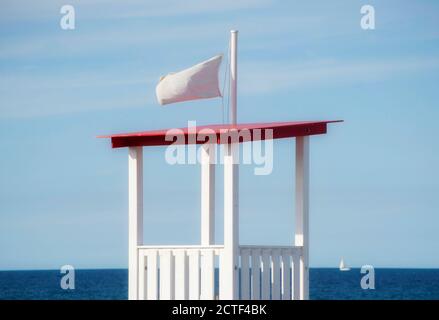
(245, 132)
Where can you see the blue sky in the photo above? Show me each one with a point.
(374, 178)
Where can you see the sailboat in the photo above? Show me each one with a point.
(343, 267)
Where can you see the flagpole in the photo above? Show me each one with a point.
(233, 75)
(230, 257)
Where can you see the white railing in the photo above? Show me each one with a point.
(188, 272)
(269, 272)
(177, 272)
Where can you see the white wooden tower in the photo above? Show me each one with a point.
(245, 271)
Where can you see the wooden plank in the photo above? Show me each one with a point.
(256, 274)
(268, 247)
(166, 275)
(152, 275)
(229, 257)
(279, 129)
(194, 274)
(302, 211)
(286, 276)
(142, 275)
(207, 275)
(296, 277)
(266, 273)
(275, 275)
(181, 275)
(185, 247)
(302, 214)
(245, 275)
(135, 217)
(207, 152)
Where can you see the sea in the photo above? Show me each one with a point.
(325, 284)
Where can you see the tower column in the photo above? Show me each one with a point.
(302, 212)
(207, 194)
(229, 258)
(135, 217)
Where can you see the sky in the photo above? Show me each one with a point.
(374, 178)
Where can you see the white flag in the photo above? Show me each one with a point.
(197, 82)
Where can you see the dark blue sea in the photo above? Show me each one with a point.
(327, 284)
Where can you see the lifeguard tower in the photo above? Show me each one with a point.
(245, 271)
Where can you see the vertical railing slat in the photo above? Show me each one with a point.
(142, 275)
(286, 276)
(181, 275)
(296, 276)
(152, 275)
(245, 275)
(266, 273)
(256, 274)
(207, 275)
(194, 275)
(275, 275)
(166, 275)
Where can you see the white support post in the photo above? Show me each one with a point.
(229, 258)
(207, 194)
(135, 217)
(302, 212)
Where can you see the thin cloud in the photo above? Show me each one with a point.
(48, 94)
(13, 10)
(266, 78)
(112, 38)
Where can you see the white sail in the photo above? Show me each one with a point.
(197, 82)
(342, 266)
